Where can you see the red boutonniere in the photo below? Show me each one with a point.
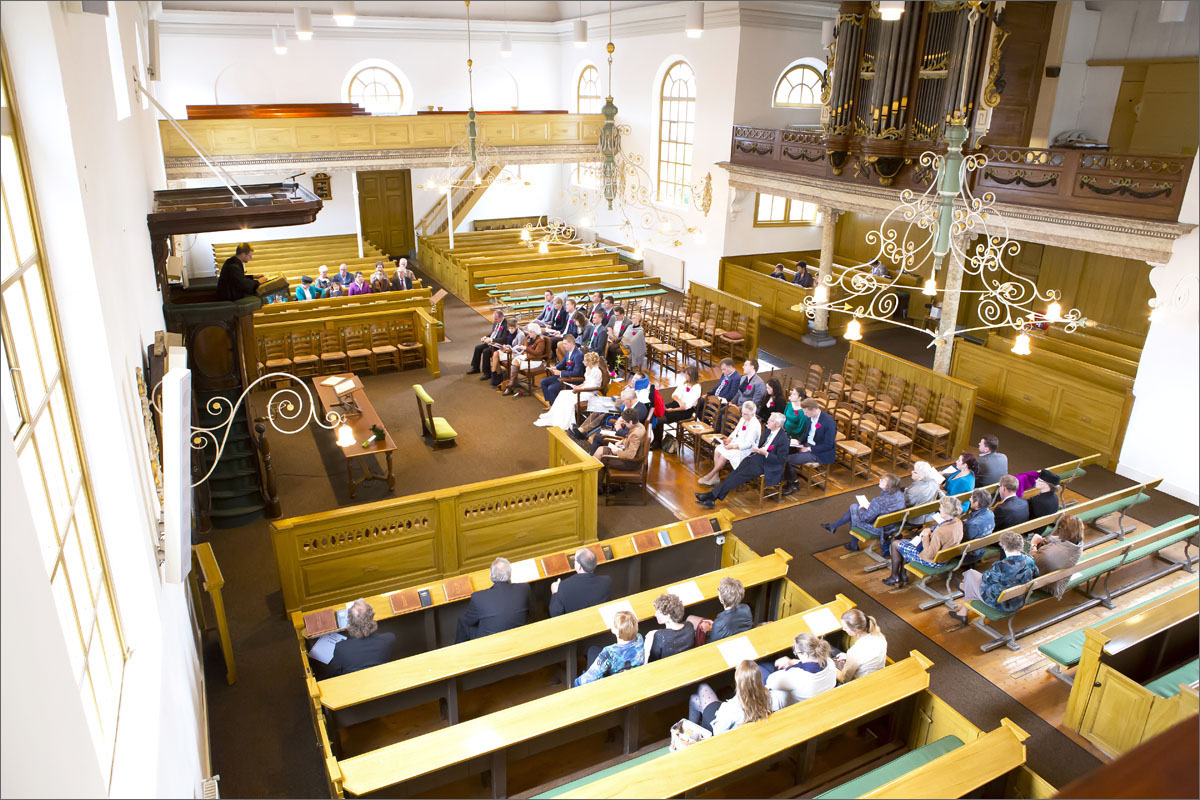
(742, 427)
(769, 449)
(816, 426)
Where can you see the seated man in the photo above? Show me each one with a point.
(364, 646)
(991, 463)
(817, 440)
(803, 277)
(500, 607)
(626, 449)
(735, 617)
(344, 276)
(543, 318)
(597, 304)
(575, 327)
(618, 326)
(1011, 510)
(570, 366)
(1046, 500)
(594, 426)
(595, 336)
(727, 387)
(879, 270)
(481, 357)
(306, 290)
(768, 460)
(403, 279)
(608, 306)
(583, 589)
(751, 387)
(562, 325)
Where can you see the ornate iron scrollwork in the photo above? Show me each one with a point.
(1022, 178)
(1126, 186)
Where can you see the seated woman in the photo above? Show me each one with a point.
(750, 703)
(811, 672)
(676, 635)
(772, 401)
(380, 282)
(736, 617)
(627, 653)
(794, 418)
(683, 401)
(962, 477)
(1060, 550)
(735, 446)
(946, 531)
(979, 521)
(633, 343)
(360, 286)
(926, 487)
(868, 653)
(562, 413)
(626, 449)
(1013, 570)
(533, 353)
(889, 500)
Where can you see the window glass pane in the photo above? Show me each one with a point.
(9, 263)
(14, 193)
(108, 630)
(43, 523)
(56, 485)
(87, 540)
(77, 578)
(30, 373)
(66, 438)
(102, 685)
(8, 393)
(66, 616)
(42, 332)
(88, 701)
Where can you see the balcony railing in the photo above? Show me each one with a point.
(1090, 181)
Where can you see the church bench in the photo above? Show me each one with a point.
(1137, 675)
(521, 272)
(1085, 576)
(577, 289)
(617, 296)
(951, 559)
(1066, 650)
(537, 286)
(894, 769)
(1067, 472)
(333, 307)
(1084, 336)
(892, 691)
(606, 282)
(444, 672)
(1079, 351)
(428, 760)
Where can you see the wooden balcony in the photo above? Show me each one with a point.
(1145, 187)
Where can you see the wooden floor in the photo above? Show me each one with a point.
(1024, 674)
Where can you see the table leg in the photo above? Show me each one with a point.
(350, 475)
(391, 476)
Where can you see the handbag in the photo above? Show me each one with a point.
(669, 445)
(686, 733)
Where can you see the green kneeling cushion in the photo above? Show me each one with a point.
(422, 395)
(895, 768)
(1066, 650)
(604, 773)
(1168, 685)
(442, 429)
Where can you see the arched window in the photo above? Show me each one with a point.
(377, 90)
(587, 92)
(799, 87)
(676, 132)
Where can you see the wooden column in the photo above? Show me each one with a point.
(944, 346)
(818, 335)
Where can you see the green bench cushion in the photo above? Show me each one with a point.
(604, 773)
(1066, 650)
(862, 534)
(422, 395)
(442, 429)
(1168, 685)
(1109, 508)
(895, 768)
(1134, 554)
(1071, 474)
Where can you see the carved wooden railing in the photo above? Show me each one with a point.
(1139, 186)
(270, 483)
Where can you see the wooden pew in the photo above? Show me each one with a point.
(1077, 350)
(1086, 575)
(560, 715)
(1137, 675)
(441, 673)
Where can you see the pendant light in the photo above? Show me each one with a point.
(279, 37)
(506, 37)
(694, 20)
(580, 28)
(1021, 346)
(304, 31)
(343, 13)
(891, 10)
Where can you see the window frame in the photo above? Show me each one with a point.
(81, 502)
(793, 68)
(681, 169)
(354, 76)
(787, 221)
(591, 168)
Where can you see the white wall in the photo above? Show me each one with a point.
(93, 177)
(1160, 441)
(742, 238)
(763, 55)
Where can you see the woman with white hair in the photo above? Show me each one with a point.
(532, 351)
(737, 445)
(562, 413)
(926, 487)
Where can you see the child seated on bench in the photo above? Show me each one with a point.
(627, 653)
(1013, 570)
(868, 653)
(750, 703)
(811, 672)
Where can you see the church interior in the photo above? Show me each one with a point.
(814, 383)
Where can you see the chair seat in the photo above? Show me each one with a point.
(933, 429)
(854, 447)
(712, 438)
(442, 429)
(663, 348)
(697, 428)
(384, 349)
(652, 340)
(306, 359)
(894, 438)
(409, 345)
(271, 363)
(732, 336)
(333, 356)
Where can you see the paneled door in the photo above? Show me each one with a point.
(385, 210)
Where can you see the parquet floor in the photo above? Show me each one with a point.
(1024, 674)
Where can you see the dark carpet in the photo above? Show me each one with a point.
(263, 744)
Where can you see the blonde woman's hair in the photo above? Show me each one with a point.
(752, 694)
(591, 358)
(812, 647)
(625, 625)
(1070, 529)
(949, 507)
(730, 591)
(860, 623)
(925, 472)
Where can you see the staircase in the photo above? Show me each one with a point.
(234, 485)
(463, 196)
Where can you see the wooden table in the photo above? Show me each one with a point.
(360, 424)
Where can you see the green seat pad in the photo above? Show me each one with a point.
(422, 395)
(861, 534)
(442, 429)
(1071, 473)
(1168, 685)
(1135, 554)
(993, 614)
(926, 570)
(604, 773)
(895, 768)
(1108, 508)
(1066, 650)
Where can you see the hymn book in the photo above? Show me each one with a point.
(405, 600)
(525, 571)
(457, 588)
(557, 564)
(609, 611)
(687, 593)
(821, 621)
(737, 650)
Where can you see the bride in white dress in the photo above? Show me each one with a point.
(562, 413)
(736, 445)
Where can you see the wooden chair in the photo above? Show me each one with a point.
(412, 352)
(815, 475)
(935, 435)
(898, 444)
(708, 442)
(274, 355)
(528, 377)
(617, 473)
(815, 378)
(732, 342)
(837, 386)
(306, 358)
(920, 400)
(436, 429)
(852, 370)
(386, 354)
(665, 355)
(358, 349)
(690, 431)
(873, 380)
(859, 398)
(333, 357)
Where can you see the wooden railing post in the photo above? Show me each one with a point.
(267, 467)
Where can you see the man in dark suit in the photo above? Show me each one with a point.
(403, 279)
(596, 305)
(364, 646)
(817, 440)
(233, 283)
(547, 310)
(571, 366)
(768, 459)
(481, 359)
(727, 387)
(583, 589)
(607, 307)
(1011, 510)
(595, 335)
(502, 606)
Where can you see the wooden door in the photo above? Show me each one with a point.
(1116, 712)
(385, 210)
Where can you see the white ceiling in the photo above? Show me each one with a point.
(496, 10)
